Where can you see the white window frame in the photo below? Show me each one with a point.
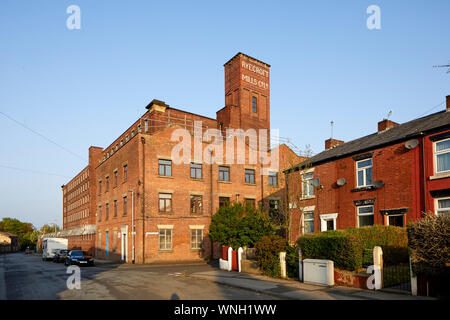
(365, 214)
(324, 218)
(201, 238)
(306, 211)
(436, 153)
(165, 236)
(364, 173)
(436, 205)
(305, 182)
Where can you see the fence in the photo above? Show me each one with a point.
(8, 248)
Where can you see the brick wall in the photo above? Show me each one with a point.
(395, 165)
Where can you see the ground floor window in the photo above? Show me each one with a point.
(443, 206)
(224, 201)
(196, 238)
(165, 239)
(396, 220)
(308, 222)
(365, 216)
(250, 202)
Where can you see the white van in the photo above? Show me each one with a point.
(51, 246)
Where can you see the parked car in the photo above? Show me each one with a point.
(28, 250)
(60, 255)
(78, 257)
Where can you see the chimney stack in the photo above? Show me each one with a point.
(331, 143)
(386, 124)
(448, 103)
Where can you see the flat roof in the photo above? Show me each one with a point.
(237, 54)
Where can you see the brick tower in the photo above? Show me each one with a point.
(247, 94)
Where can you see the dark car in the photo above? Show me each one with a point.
(28, 250)
(60, 255)
(78, 257)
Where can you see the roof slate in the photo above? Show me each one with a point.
(403, 132)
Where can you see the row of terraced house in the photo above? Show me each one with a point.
(137, 202)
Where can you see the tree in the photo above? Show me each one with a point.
(22, 230)
(238, 225)
(46, 228)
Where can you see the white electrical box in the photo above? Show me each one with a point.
(317, 271)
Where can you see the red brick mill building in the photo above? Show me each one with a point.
(390, 177)
(136, 181)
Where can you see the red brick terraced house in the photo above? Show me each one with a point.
(390, 177)
(144, 205)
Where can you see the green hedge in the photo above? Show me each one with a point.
(332, 245)
(392, 240)
(267, 254)
(351, 249)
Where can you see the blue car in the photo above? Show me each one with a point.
(78, 257)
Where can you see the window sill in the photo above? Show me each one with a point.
(367, 188)
(166, 177)
(165, 251)
(274, 186)
(221, 181)
(165, 213)
(196, 250)
(195, 179)
(249, 184)
(307, 197)
(440, 176)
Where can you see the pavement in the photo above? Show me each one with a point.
(292, 289)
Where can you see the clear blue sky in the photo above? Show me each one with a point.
(84, 87)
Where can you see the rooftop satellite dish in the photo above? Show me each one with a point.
(378, 184)
(411, 144)
(316, 182)
(341, 182)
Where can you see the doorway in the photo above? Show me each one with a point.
(124, 244)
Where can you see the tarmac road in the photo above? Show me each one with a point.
(28, 277)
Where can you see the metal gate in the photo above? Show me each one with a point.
(397, 277)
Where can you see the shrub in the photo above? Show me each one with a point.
(267, 253)
(332, 245)
(238, 225)
(292, 261)
(429, 242)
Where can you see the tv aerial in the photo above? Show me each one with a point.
(389, 114)
(444, 66)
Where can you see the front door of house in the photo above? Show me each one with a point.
(107, 243)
